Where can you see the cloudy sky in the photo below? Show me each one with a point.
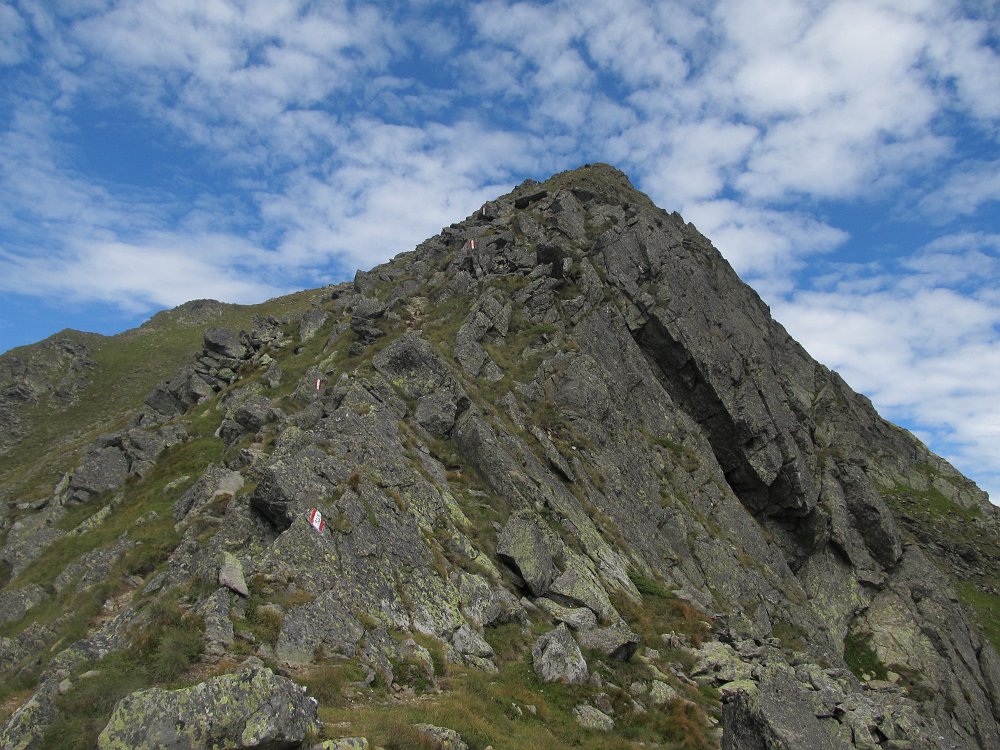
(843, 155)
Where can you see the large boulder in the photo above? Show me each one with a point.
(527, 544)
(578, 586)
(224, 342)
(254, 708)
(16, 603)
(556, 658)
(103, 470)
(617, 641)
(774, 715)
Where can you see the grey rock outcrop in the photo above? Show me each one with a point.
(254, 708)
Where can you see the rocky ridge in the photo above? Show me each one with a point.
(560, 435)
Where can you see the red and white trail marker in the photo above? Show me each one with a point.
(316, 520)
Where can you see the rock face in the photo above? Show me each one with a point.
(250, 709)
(561, 429)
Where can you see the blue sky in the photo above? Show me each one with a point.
(843, 155)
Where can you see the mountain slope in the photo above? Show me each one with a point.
(561, 423)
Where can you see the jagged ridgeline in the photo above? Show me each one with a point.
(555, 479)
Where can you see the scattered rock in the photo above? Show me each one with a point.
(556, 657)
(617, 641)
(592, 718)
(446, 739)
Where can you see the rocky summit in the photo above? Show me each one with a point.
(554, 478)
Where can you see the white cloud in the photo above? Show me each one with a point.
(762, 244)
(964, 192)
(921, 338)
(13, 36)
(145, 276)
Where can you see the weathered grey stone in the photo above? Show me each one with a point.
(616, 641)
(16, 603)
(411, 364)
(102, 470)
(224, 342)
(445, 739)
(231, 574)
(219, 632)
(556, 658)
(217, 482)
(312, 321)
(577, 585)
(436, 412)
(719, 663)
(592, 718)
(661, 693)
(578, 618)
(773, 715)
(288, 488)
(527, 544)
(343, 743)
(470, 643)
(93, 567)
(250, 709)
(26, 728)
(324, 625)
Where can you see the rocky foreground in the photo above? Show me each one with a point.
(576, 488)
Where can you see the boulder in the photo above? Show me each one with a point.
(103, 470)
(411, 364)
(556, 658)
(773, 714)
(288, 488)
(225, 343)
(436, 412)
(592, 718)
(231, 574)
(323, 623)
(616, 641)
(442, 737)
(468, 642)
(16, 603)
(578, 618)
(578, 585)
(311, 322)
(343, 743)
(254, 708)
(215, 482)
(526, 543)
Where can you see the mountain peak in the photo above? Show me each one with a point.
(553, 476)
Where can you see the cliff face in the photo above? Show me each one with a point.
(578, 488)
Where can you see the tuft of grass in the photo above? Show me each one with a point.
(327, 682)
(861, 658)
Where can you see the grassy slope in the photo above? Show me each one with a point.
(129, 365)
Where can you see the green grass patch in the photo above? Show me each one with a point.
(931, 501)
(327, 682)
(160, 654)
(986, 607)
(861, 658)
(661, 612)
